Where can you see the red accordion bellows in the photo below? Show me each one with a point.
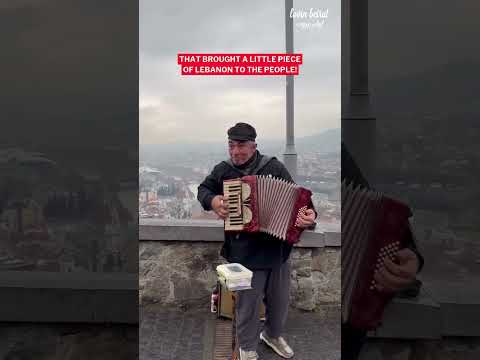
(261, 203)
(376, 228)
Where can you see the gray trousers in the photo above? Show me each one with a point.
(272, 286)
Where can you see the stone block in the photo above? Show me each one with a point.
(303, 267)
(148, 250)
(325, 259)
(305, 295)
(188, 289)
(327, 287)
(300, 253)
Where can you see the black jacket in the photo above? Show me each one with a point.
(352, 173)
(252, 250)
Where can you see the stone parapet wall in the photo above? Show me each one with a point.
(177, 272)
(316, 277)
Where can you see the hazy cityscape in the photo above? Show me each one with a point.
(55, 218)
(169, 177)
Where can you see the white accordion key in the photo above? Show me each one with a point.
(234, 205)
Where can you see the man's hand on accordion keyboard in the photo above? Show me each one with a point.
(306, 219)
(219, 206)
(395, 277)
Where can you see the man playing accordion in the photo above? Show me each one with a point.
(260, 252)
(392, 278)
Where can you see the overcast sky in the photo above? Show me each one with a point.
(175, 108)
(75, 64)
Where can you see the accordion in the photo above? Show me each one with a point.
(374, 227)
(259, 203)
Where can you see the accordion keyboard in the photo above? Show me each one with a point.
(233, 192)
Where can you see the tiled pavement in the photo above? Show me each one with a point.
(172, 334)
(312, 336)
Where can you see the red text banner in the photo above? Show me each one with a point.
(239, 64)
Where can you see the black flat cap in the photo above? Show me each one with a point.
(242, 132)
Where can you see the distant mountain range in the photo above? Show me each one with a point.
(325, 142)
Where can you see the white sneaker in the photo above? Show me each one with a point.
(279, 345)
(247, 355)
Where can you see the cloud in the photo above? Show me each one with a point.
(180, 108)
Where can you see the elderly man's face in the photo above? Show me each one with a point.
(241, 151)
